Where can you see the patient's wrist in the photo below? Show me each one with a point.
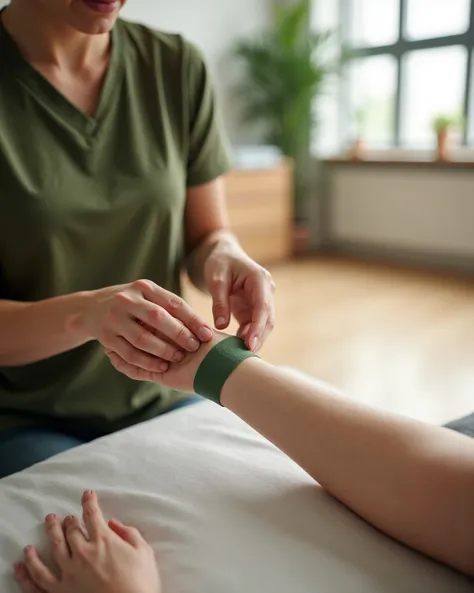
(244, 381)
(223, 359)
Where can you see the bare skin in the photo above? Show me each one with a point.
(411, 480)
(110, 558)
(141, 322)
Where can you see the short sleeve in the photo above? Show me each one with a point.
(208, 156)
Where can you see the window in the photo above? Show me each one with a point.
(414, 61)
(425, 96)
(373, 83)
(374, 22)
(437, 18)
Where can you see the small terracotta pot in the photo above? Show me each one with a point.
(443, 148)
(357, 152)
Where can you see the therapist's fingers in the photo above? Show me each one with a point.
(262, 315)
(243, 331)
(133, 372)
(175, 308)
(92, 515)
(129, 534)
(74, 534)
(24, 580)
(39, 573)
(219, 287)
(59, 547)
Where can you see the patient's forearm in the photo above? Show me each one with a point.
(411, 480)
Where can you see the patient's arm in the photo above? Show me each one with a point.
(411, 480)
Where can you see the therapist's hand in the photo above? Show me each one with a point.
(141, 323)
(179, 376)
(112, 559)
(241, 288)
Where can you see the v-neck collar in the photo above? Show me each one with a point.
(51, 97)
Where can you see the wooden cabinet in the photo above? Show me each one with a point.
(260, 206)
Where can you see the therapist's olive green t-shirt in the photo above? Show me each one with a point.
(88, 202)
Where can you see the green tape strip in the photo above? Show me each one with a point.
(217, 367)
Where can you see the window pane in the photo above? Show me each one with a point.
(374, 22)
(434, 84)
(373, 84)
(437, 18)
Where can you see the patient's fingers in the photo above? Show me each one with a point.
(39, 573)
(59, 547)
(129, 534)
(24, 580)
(92, 515)
(74, 533)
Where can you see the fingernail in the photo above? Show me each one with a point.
(193, 344)
(178, 357)
(86, 495)
(253, 343)
(163, 367)
(50, 517)
(27, 549)
(205, 334)
(220, 322)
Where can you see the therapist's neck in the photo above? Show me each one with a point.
(48, 41)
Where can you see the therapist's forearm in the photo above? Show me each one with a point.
(30, 332)
(411, 480)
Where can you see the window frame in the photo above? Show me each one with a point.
(400, 49)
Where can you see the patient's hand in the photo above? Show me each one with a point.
(180, 376)
(112, 559)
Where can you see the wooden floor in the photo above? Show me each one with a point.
(399, 339)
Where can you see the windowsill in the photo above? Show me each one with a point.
(461, 157)
(401, 162)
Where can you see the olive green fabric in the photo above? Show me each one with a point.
(88, 202)
(218, 366)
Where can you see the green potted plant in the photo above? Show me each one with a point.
(285, 69)
(443, 125)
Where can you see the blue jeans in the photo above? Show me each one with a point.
(21, 448)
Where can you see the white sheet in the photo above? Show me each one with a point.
(226, 513)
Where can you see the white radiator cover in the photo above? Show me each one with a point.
(425, 209)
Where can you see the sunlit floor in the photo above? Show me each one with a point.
(399, 339)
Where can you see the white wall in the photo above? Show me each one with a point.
(424, 210)
(325, 16)
(215, 25)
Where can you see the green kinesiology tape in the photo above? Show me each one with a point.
(217, 367)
